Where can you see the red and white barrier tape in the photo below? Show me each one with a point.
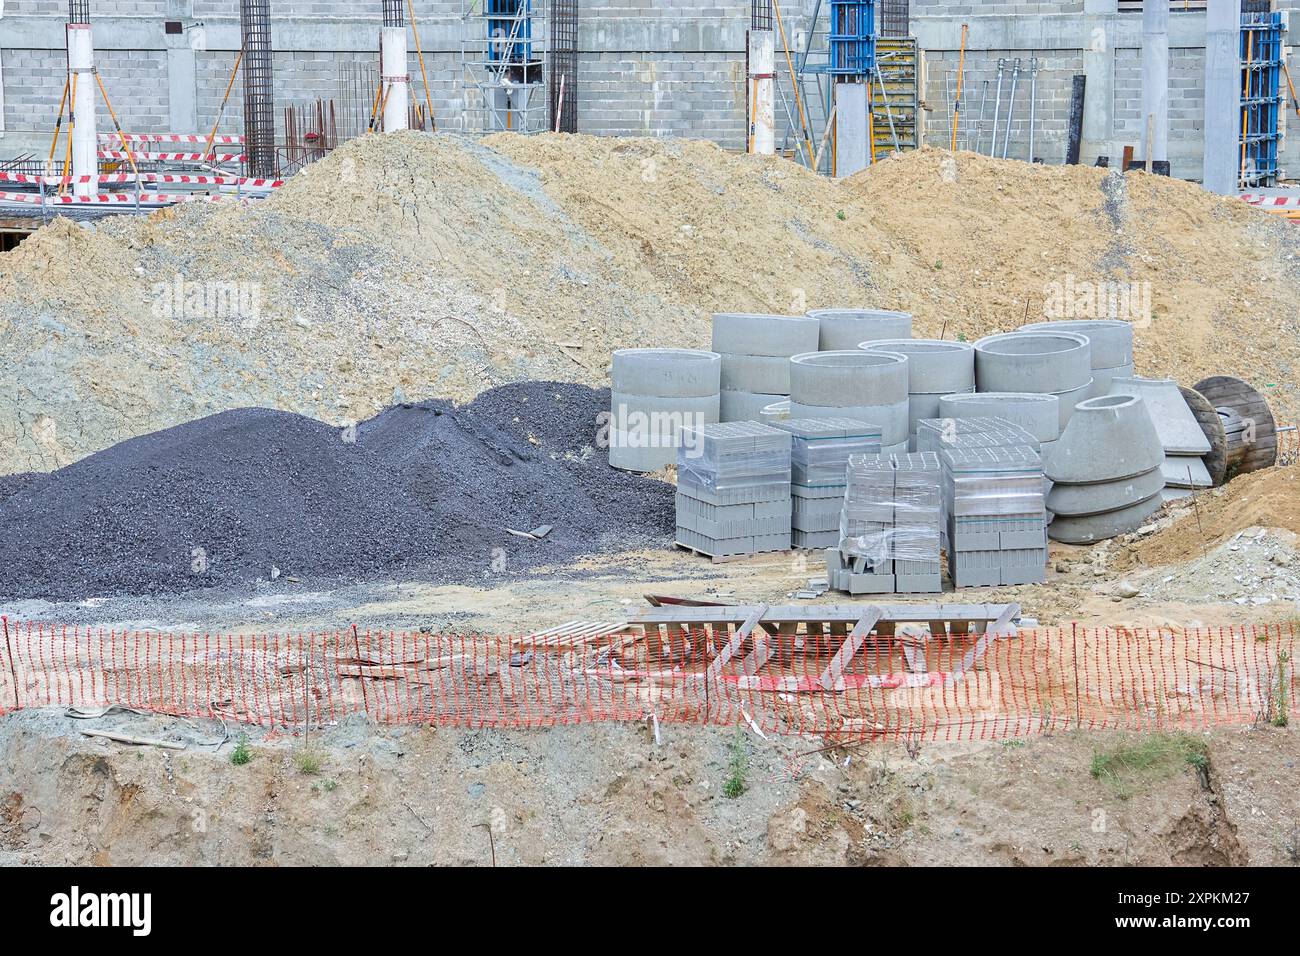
(230, 140)
(174, 157)
(1287, 202)
(176, 178)
(110, 199)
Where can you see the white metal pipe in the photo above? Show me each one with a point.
(762, 82)
(81, 65)
(396, 81)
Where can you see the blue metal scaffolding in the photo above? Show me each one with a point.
(1261, 97)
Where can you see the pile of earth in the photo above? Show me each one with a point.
(425, 490)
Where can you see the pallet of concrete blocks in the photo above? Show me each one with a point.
(819, 455)
(941, 434)
(889, 528)
(733, 489)
(996, 516)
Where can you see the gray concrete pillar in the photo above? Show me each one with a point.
(852, 150)
(1222, 96)
(1098, 45)
(182, 74)
(1155, 81)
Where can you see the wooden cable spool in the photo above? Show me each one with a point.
(1247, 449)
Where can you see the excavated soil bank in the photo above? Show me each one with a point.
(411, 266)
(425, 490)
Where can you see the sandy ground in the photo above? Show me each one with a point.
(608, 794)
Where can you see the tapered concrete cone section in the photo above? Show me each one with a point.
(1052, 362)
(845, 328)
(1110, 340)
(1108, 438)
(934, 366)
(1088, 529)
(668, 373)
(851, 377)
(1039, 414)
(1176, 424)
(1103, 496)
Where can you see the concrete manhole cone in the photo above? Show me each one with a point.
(1107, 439)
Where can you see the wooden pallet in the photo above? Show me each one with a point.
(729, 558)
(756, 630)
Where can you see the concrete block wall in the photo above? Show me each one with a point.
(646, 67)
(1059, 34)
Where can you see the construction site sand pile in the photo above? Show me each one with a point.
(421, 490)
(414, 266)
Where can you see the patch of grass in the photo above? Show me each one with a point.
(1135, 763)
(330, 785)
(241, 754)
(308, 761)
(841, 216)
(737, 767)
(1013, 744)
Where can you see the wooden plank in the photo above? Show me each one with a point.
(1002, 627)
(137, 741)
(833, 676)
(824, 613)
(734, 643)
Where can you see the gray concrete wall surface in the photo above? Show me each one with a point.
(646, 67)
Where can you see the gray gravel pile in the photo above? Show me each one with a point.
(422, 490)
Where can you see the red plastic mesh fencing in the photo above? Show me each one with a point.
(1039, 680)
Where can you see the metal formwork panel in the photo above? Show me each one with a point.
(852, 37)
(1261, 99)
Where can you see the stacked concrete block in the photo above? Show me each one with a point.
(866, 386)
(1180, 433)
(654, 394)
(995, 515)
(843, 329)
(1044, 362)
(819, 456)
(1106, 471)
(733, 489)
(756, 351)
(940, 434)
(935, 368)
(918, 517)
(1038, 414)
(889, 527)
(1110, 342)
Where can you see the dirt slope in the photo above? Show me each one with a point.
(435, 266)
(606, 794)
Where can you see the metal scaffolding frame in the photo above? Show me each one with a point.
(503, 67)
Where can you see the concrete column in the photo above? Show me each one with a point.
(1155, 81)
(762, 109)
(393, 66)
(852, 151)
(182, 75)
(1098, 45)
(1222, 96)
(81, 65)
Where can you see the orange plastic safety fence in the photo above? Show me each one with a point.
(1039, 680)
